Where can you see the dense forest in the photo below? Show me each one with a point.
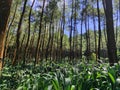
(59, 44)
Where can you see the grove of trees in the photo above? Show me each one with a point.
(59, 44)
(37, 30)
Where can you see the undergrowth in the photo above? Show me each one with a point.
(61, 76)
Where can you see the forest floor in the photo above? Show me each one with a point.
(61, 76)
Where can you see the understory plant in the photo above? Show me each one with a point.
(61, 76)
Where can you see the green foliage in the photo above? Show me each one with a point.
(61, 76)
(93, 57)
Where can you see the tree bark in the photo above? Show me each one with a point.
(39, 34)
(29, 29)
(95, 33)
(5, 6)
(18, 35)
(99, 29)
(7, 33)
(62, 30)
(71, 30)
(111, 44)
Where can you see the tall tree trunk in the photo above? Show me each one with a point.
(7, 33)
(18, 35)
(99, 29)
(43, 41)
(87, 40)
(70, 37)
(29, 28)
(51, 44)
(117, 24)
(50, 36)
(111, 44)
(105, 35)
(39, 34)
(5, 6)
(88, 33)
(81, 38)
(62, 30)
(75, 30)
(32, 42)
(95, 33)
(57, 38)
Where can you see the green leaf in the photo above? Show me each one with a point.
(67, 81)
(55, 84)
(111, 78)
(73, 87)
(50, 87)
(20, 88)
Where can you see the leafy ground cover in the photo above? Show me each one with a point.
(61, 76)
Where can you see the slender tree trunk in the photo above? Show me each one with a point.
(99, 27)
(18, 35)
(57, 37)
(43, 42)
(117, 18)
(88, 33)
(70, 37)
(50, 36)
(81, 38)
(87, 40)
(75, 30)
(39, 34)
(105, 35)
(31, 52)
(5, 6)
(29, 28)
(51, 44)
(62, 30)
(95, 34)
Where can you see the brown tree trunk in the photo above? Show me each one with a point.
(81, 38)
(87, 52)
(5, 6)
(29, 29)
(111, 44)
(39, 34)
(95, 33)
(70, 36)
(81, 30)
(117, 24)
(43, 41)
(7, 33)
(51, 44)
(105, 35)
(62, 30)
(99, 29)
(74, 30)
(88, 33)
(18, 35)
(50, 36)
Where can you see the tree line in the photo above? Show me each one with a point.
(36, 31)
